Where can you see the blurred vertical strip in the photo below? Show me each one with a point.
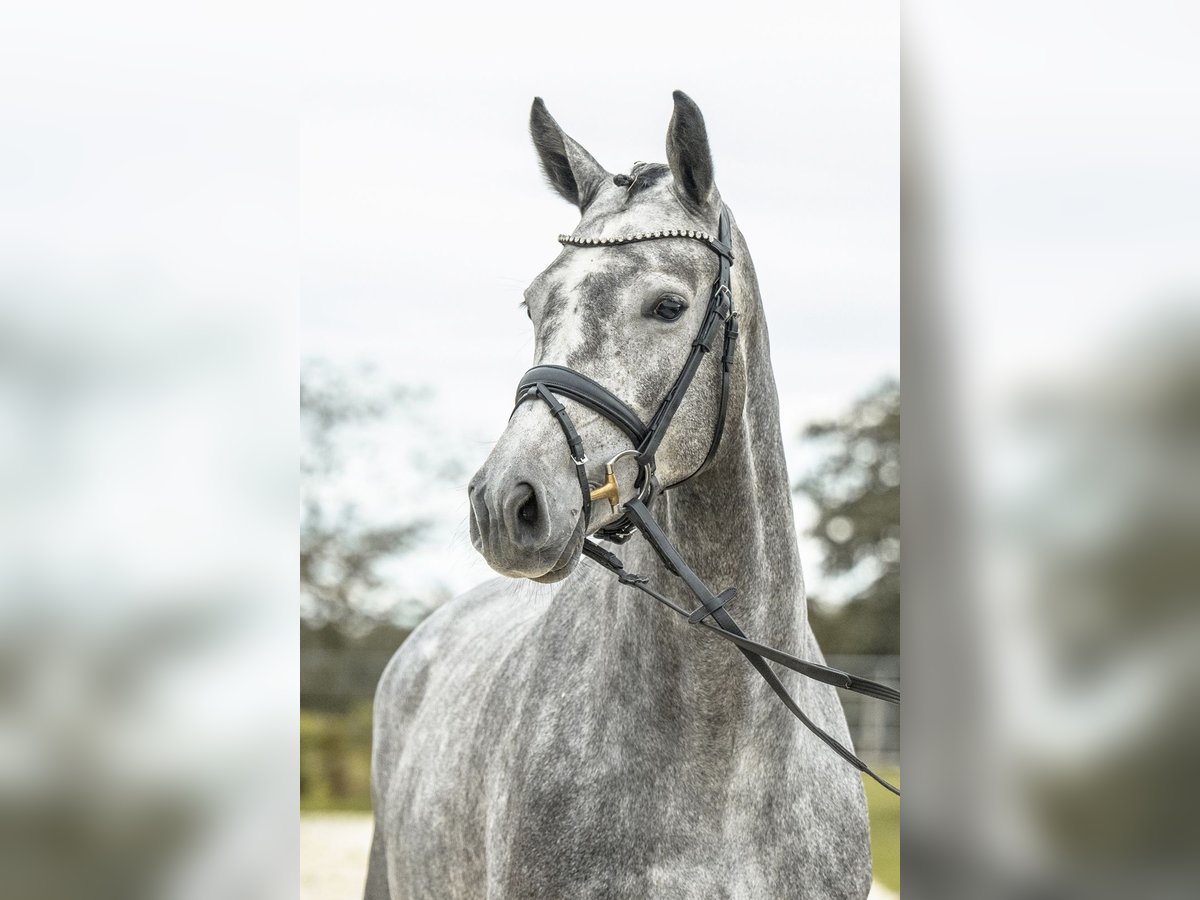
(148, 272)
(1051, 449)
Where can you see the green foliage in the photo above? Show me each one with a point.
(339, 670)
(338, 676)
(885, 830)
(855, 488)
(335, 759)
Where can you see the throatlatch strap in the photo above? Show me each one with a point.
(720, 308)
(731, 333)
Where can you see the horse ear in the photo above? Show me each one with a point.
(569, 168)
(688, 152)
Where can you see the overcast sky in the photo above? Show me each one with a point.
(424, 214)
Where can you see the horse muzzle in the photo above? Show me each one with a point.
(519, 526)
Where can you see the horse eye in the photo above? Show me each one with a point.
(669, 308)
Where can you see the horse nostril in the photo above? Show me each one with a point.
(524, 519)
(528, 513)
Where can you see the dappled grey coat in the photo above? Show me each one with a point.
(554, 735)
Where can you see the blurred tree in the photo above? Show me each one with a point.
(340, 550)
(855, 487)
(338, 668)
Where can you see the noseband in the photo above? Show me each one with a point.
(547, 383)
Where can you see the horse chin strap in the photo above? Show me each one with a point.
(546, 382)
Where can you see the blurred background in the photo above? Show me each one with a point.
(1051, 289)
(424, 216)
(174, 178)
(148, 280)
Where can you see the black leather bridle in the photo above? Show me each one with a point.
(546, 383)
(543, 382)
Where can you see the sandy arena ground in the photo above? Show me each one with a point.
(333, 857)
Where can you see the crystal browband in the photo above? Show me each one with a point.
(645, 236)
(713, 242)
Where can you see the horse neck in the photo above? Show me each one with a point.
(733, 523)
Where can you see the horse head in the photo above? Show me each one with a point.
(623, 312)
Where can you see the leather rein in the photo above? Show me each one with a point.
(546, 383)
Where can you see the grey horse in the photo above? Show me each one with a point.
(568, 738)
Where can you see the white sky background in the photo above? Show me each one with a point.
(1063, 151)
(1061, 142)
(1064, 161)
(424, 214)
(1068, 194)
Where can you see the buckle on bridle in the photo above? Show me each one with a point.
(724, 308)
